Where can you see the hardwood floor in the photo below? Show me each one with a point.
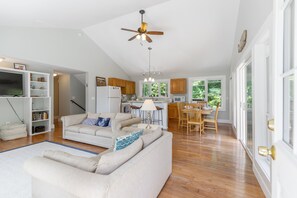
(211, 167)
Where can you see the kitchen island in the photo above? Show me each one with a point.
(162, 104)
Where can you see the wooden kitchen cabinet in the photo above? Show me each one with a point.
(127, 87)
(130, 87)
(172, 111)
(178, 86)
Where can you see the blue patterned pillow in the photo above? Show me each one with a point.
(103, 122)
(90, 121)
(124, 141)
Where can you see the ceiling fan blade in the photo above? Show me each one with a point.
(148, 39)
(128, 30)
(133, 37)
(155, 33)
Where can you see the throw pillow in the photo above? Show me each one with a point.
(103, 122)
(90, 121)
(124, 141)
(111, 161)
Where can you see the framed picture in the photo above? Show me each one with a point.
(100, 81)
(19, 66)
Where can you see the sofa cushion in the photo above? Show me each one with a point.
(90, 130)
(75, 128)
(124, 141)
(104, 132)
(107, 115)
(123, 116)
(90, 121)
(103, 122)
(150, 136)
(84, 163)
(93, 115)
(111, 161)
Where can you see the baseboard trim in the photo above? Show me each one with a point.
(261, 181)
(222, 121)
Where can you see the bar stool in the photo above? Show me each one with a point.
(135, 110)
(159, 113)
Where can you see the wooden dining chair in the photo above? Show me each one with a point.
(182, 117)
(195, 119)
(212, 122)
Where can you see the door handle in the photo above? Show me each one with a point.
(270, 124)
(265, 151)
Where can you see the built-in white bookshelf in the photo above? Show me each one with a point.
(37, 100)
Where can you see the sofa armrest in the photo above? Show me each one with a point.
(68, 178)
(117, 125)
(73, 119)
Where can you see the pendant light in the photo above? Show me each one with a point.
(150, 79)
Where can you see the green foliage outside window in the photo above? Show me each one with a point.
(157, 89)
(214, 92)
(164, 89)
(198, 90)
(145, 90)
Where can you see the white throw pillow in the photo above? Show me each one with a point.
(111, 161)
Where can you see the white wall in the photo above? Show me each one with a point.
(251, 16)
(64, 48)
(64, 95)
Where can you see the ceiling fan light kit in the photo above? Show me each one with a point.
(142, 32)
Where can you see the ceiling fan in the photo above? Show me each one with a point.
(142, 32)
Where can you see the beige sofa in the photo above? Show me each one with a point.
(73, 129)
(143, 175)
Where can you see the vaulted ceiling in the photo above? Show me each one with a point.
(199, 34)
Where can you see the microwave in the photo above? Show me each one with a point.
(179, 98)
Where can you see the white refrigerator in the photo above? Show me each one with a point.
(108, 99)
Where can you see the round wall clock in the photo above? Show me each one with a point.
(242, 41)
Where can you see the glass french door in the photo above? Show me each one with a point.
(246, 106)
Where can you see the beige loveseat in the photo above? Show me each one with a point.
(73, 129)
(143, 175)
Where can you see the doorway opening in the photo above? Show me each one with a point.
(69, 94)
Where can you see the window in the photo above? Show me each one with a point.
(210, 89)
(156, 89)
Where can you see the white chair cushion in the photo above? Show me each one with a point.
(108, 115)
(111, 161)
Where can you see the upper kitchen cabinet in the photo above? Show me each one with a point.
(127, 87)
(130, 87)
(178, 86)
(116, 82)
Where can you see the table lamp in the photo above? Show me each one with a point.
(148, 106)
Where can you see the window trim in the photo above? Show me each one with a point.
(141, 82)
(207, 78)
